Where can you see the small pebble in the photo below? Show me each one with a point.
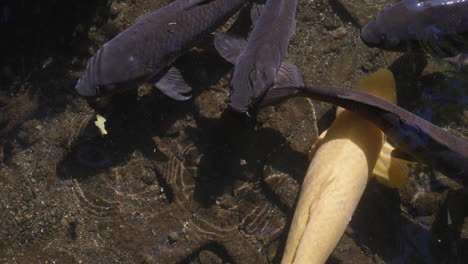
(339, 33)
(173, 236)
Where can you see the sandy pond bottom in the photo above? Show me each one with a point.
(193, 182)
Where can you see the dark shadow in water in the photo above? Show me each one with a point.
(413, 243)
(407, 70)
(446, 241)
(344, 15)
(233, 151)
(40, 39)
(377, 221)
(399, 239)
(39, 42)
(131, 125)
(133, 122)
(414, 90)
(439, 97)
(326, 120)
(445, 46)
(205, 67)
(204, 254)
(200, 68)
(443, 98)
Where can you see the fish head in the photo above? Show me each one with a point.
(86, 86)
(374, 34)
(370, 34)
(90, 82)
(249, 84)
(108, 71)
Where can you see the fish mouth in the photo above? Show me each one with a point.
(369, 41)
(239, 109)
(386, 46)
(88, 93)
(239, 105)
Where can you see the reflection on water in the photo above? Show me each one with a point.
(193, 181)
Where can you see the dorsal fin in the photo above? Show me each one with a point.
(229, 47)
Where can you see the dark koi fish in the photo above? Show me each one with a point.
(145, 51)
(410, 135)
(411, 20)
(259, 61)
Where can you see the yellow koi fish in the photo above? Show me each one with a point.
(344, 159)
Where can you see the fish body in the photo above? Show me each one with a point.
(411, 20)
(408, 133)
(336, 178)
(259, 61)
(145, 51)
(333, 185)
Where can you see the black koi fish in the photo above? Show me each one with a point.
(259, 61)
(411, 20)
(408, 133)
(145, 51)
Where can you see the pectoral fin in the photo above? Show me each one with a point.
(288, 75)
(173, 85)
(390, 171)
(229, 47)
(460, 60)
(318, 142)
(383, 79)
(256, 12)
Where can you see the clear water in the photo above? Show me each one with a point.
(194, 182)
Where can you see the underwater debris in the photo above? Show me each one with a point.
(100, 124)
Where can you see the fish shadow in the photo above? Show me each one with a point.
(35, 55)
(233, 151)
(446, 241)
(433, 97)
(407, 70)
(376, 230)
(131, 124)
(134, 121)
